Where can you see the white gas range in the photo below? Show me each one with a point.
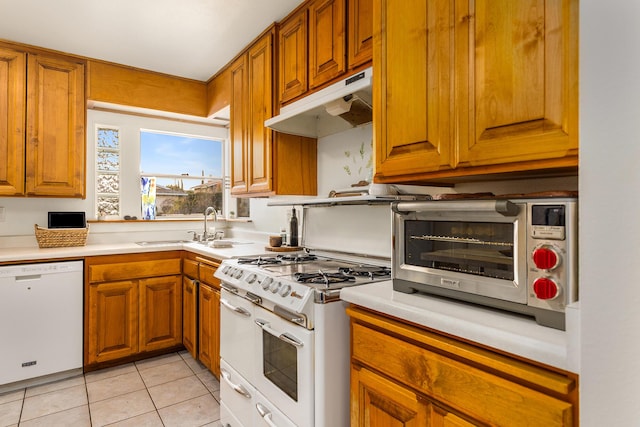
(285, 338)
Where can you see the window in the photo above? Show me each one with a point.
(188, 172)
(187, 160)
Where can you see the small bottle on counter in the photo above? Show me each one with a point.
(293, 229)
(283, 234)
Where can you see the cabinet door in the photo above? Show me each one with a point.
(360, 34)
(327, 41)
(376, 401)
(412, 93)
(55, 154)
(238, 126)
(112, 321)
(160, 312)
(260, 108)
(13, 68)
(292, 57)
(517, 76)
(190, 315)
(209, 333)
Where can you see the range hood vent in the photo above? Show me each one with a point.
(336, 108)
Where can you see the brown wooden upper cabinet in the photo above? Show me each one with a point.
(315, 47)
(360, 33)
(489, 87)
(255, 149)
(42, 124)
(251, 105)
(327, 41)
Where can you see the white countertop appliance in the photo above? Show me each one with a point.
(285, 337)
(515, 254)
(40, 322)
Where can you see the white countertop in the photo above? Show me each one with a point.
(513, 334)
(35, 253)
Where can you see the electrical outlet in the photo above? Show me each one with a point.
(1, 214)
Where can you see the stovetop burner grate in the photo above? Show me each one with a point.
(324, 278)
(297, 257)
(259, 260)
(366, 271)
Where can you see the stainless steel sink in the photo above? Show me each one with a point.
(161, 242)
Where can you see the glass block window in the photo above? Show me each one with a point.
(108, 170)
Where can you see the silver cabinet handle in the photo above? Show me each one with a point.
(265, 414)
(236, 387)
(235, 309)
(286, 337)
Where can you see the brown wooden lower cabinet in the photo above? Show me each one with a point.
(190, 315)
(133, 305)
(112, 321)
(201, 306)
(209, 316)
(209, 333)
(405, 375)
(160, 312)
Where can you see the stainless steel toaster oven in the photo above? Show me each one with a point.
(518, 255)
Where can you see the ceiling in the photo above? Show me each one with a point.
(187, 38)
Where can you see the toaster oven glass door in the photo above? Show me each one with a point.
(483, 249)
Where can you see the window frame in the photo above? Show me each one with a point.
(129, 125)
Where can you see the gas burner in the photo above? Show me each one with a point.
(324, 278)
(369, 271)
(259, 260)
(297, 257)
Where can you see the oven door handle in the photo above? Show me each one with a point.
(236, 387)
(265, 414)
(286, 337)
(235, 309)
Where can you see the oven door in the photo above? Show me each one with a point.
(236, 333)
(476, 247)
(284, 360)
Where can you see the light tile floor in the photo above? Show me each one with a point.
(170, 390)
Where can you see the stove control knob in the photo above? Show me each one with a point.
(266, 283)
(226, 269)
(251, 278)
(545, 288)
(545, 258)
(275, 287)
(238, 274)
(285, 290)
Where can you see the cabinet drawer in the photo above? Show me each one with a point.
(190, 268)
(452, 375)
(134, 270)
(206, 275)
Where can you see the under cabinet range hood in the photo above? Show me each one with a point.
(336, 108)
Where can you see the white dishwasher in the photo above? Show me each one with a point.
(40, 320)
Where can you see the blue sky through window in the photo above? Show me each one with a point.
(171, 154)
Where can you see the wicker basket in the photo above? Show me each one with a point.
(61, 237)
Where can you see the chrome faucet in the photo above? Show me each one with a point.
(209, 210)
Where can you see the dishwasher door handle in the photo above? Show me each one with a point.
(28, 278)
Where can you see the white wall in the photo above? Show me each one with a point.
(610, 212)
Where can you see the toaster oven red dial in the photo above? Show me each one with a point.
(545, 288)
(545, 258)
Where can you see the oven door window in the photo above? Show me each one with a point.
(479, 248)
(280, 363)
